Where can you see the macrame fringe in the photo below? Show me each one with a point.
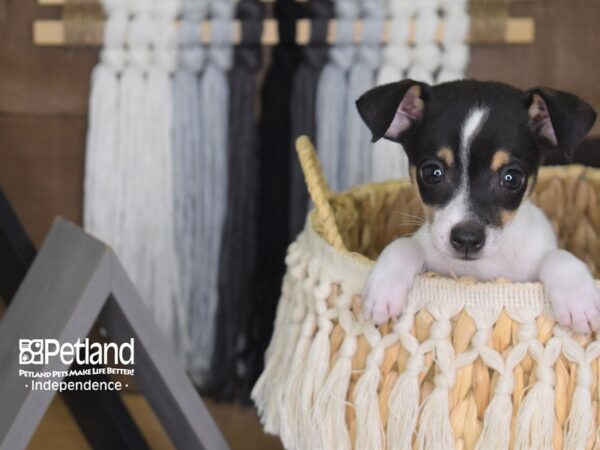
(289, 402)
(535, 419)
(403, 412)
(102, 151)
(316, 371)
(580, 421)
(369, 429)
(435, 430)
(329, 413)
(496, 424)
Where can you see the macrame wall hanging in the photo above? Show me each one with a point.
(187, 159)
(235, 346)
(129, 179)
(304, 96)
(214, 104)
(275, 134)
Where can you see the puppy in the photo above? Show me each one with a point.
(474, 150)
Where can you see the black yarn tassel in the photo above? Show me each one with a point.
(304, 97)
(273, 233)
(239, 248)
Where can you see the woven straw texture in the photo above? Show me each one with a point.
(468, 365)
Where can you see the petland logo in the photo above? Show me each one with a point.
(41, 351)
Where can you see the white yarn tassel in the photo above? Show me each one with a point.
(289, 402)
(369, 429)
(535, 419)
(404, 406)
(129, 230)
(103, 131)
(316, 365)
(496, 422)
(156, 202)
(435, 430)
(329, 413)
(270, 388)
(580, 421)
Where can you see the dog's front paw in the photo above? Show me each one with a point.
(386, 291)
(384, 296)
(575, 306)
(573, 294)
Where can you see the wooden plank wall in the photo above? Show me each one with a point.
(43, 95)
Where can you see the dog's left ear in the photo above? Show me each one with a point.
(392, 109)
(560, 119)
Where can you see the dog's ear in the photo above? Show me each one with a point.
(560, 119)
(392, 109)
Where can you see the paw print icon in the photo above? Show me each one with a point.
(31, 351)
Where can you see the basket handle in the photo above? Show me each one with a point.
(319, 190)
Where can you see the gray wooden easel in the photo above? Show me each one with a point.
(74, 280)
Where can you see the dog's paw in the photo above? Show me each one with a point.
(389, 282)
(576, 306)
(384, 296)
(573, 294)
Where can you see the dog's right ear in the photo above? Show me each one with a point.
(392, 109)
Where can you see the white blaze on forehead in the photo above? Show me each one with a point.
(457, 210)
(471, 126)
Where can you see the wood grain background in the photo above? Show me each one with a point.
(43, 95)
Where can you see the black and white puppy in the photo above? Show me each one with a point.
(474, 150)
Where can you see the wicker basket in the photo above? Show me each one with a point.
(468, 365)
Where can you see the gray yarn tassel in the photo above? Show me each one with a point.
(332, 92)
(187, 170)
(356, 156)
(214, 95)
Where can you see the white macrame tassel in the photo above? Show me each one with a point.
(329, 413)
(388, 158)
(369, 427)
(287, 323)
(535, 419)
(404, 406)
(369, 430)
(102, 150)
(580, 421)
(131, 167)
(290, 400)
(435, 430)
(496, 422)
(317, 363)
(158, 205)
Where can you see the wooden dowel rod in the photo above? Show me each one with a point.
(519, 30)
(62, 2)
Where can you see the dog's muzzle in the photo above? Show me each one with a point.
(467, 238)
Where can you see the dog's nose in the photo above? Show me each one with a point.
(467, 237)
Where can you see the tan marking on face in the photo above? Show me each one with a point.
(530, 186)
(500, 158)
(446, 155)
(427, 210)
(506, 216)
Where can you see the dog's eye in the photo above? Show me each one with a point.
(512, 179)
(432, 173)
